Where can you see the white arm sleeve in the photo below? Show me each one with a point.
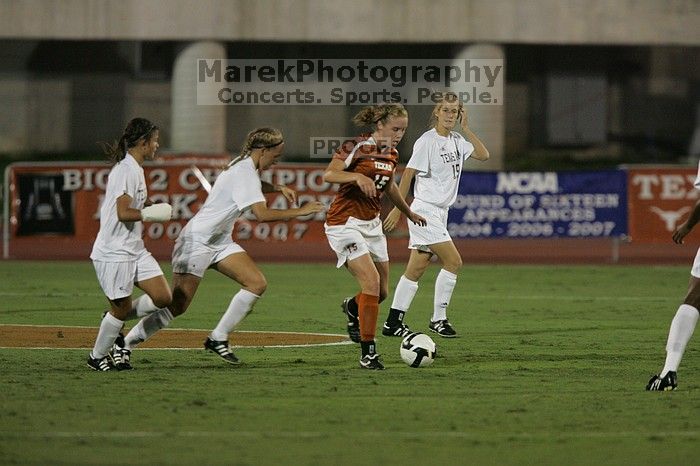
(420, 158)
(465, 147)
(247, 191)
(157, 212)
(122, 181)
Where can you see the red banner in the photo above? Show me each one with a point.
(54, 208)
(660, 199)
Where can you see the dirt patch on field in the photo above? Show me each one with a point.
(32, 336)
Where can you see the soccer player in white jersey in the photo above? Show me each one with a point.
(206, 242)
(436, 164)
(683, 323)
(118, 254)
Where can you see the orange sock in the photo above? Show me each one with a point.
(368, 310)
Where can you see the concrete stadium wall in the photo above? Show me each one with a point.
(74, 112)
(625, 22)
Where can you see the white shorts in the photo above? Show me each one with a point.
(695, 270)
(117, 278)
(435, 230)
(195, 258)
(357, 238)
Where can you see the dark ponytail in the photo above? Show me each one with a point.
(137, 129)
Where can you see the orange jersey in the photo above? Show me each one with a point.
(362, 156)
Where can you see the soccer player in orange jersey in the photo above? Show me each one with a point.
(365, 170)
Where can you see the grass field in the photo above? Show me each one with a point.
(550, 368)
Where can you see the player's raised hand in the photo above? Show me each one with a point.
(463, 120)
(392, 219)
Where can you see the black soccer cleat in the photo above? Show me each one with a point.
(667, 383)
(100, 365)
(221, 349)
(120, 356)
(113, 354)
(400, 330)
(124, 363)
(371, 362)
(443, 328)
(353, 321)
(119, 341)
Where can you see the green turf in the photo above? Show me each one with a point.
(549, 369)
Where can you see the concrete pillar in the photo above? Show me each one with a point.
(666, 72)
(195, 128)
(694, 147)
(487, 121)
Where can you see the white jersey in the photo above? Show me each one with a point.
(438, 163)
(696, 184)
(235, 190)
(119, 241)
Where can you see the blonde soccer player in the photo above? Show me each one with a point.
(686, 318)
(118, 254)
(206, 243)
(365, 170)
(436, 164)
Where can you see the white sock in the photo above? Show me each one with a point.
(109, 331)
(147, 327)
(404, 293)
(682, 327)
(240, 306)
(444, 286)
(141, 307)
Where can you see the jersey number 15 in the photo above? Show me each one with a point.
(380, 181)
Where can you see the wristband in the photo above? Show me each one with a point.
(157, 212)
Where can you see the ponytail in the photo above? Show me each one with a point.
(136, 129)
(259, 138)
(370, 116)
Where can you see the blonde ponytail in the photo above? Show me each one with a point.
(370, 116)
(259, 138)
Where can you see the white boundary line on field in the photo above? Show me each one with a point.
(304, 345)
(60, 294)
(317, 434)
(575, 297)
(173, 329)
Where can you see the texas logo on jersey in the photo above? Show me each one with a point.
(365, 157)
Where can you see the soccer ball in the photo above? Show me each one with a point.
(418, 350)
